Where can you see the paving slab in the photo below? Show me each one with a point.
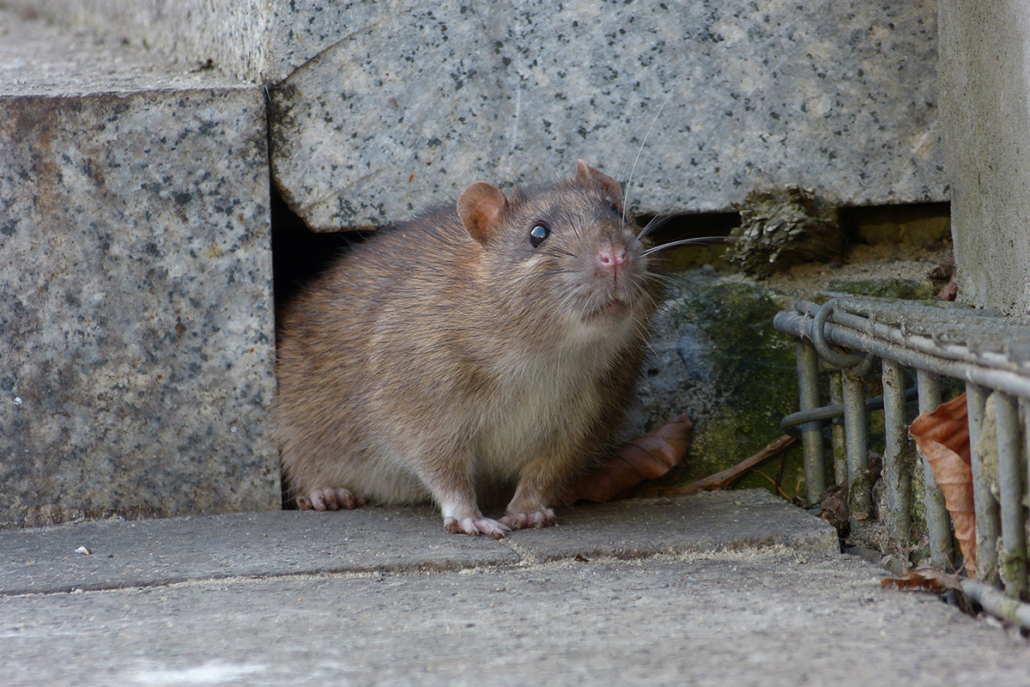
(383, 596)
(712, 521)
(735, 619)
(155, 552)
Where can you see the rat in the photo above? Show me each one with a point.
(482, 347)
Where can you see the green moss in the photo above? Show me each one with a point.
(752, 383)
(886, 288)
(750, 380)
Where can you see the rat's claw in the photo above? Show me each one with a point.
(537, 518)
(328, 499)
(476, 526)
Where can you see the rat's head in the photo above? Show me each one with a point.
(564, 256)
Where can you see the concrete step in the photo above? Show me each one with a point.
(136, 331)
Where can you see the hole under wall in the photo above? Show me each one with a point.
(299, 254)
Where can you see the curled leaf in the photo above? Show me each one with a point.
(943, 436)
(646, 457)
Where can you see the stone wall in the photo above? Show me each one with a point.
(230, 33)
(381, 108)
(985, 106)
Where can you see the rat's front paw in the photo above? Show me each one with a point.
(476, 526)
(533, 518)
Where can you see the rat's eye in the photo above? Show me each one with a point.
(539, 234)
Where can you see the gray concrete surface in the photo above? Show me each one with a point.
(984, 80)
(719, 611)
(136, 327)
(156, 552)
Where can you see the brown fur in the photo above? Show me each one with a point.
(428, 364)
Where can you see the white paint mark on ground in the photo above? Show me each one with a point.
(214, 673)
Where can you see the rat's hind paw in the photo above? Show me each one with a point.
(329, 499)
(537, 518)
(476, 526)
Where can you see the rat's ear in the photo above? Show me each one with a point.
(585, 172)
(479, 207)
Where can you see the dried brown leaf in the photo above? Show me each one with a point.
(943, 435)
(834, 508)
(915, 579)
(646, 457)
(949, 292)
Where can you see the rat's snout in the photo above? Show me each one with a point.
(611, 256)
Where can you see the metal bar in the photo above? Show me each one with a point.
(856, 434)
(1024, 414)
(835, 411)
(1004, 380)
(997, 604)
(932, 334)
(840, 461)
(988, 352)
(811, 432)
(1010, 479)
(896, 454)
(938, 524)
(988, 526)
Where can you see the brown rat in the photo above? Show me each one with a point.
(489, 345)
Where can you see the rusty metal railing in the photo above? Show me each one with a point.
(988, 353)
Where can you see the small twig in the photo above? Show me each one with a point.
(727, 478)
(773, 482)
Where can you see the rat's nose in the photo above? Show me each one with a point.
(611, 257)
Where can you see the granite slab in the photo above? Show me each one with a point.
(404, 107)
(136, 327)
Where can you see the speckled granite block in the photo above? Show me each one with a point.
(409, 103)
(229, 33)
(136, 328)
(384, 107)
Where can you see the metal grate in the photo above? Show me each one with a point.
(989, 353)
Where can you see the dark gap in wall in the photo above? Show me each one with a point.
(691, 226)
(687, 226)
(299, 254)
(905, 223)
